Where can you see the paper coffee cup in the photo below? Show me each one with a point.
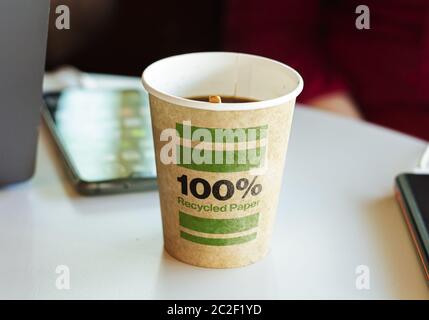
(220, 165)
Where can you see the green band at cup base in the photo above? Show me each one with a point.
(218, 226)
(217, 241)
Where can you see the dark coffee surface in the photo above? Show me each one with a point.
(225, 99)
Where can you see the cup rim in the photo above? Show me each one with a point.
(184, 102)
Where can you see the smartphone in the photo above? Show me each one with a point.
(412, 193)
(104, 137)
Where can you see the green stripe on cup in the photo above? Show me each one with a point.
(233, 134)
(217, 241)
(218, 226)
(242, 160)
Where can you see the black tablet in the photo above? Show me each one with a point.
(104, 137)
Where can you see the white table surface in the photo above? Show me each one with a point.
(337, 211)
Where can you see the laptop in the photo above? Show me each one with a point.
(23, 36)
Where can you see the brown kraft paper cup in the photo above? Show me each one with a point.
(220, 166)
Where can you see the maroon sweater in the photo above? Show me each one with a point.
(385, 68)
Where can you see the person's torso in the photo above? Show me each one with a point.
(387, 66)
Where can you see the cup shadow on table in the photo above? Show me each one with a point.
(178, 280)
(396, 251)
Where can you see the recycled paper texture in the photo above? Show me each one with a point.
(219, 196)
